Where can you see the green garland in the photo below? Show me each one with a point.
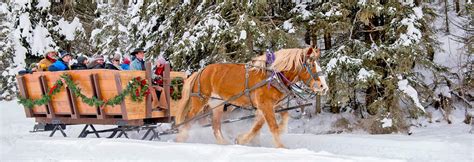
(137, 88)
(43, 100)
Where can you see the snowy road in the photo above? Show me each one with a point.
(437, 143)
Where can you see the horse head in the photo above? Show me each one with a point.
(312, 74)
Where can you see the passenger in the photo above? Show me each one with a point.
(125, 64)
(81, 63)
(138, 63)
(115, 65)
(62, 63)
(159, 70)
(158, 76)
(49, 58)
(97, 62)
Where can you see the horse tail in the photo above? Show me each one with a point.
(184, 103)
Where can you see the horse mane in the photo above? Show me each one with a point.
(285, 60)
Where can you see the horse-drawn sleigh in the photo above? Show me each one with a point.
(261, 84)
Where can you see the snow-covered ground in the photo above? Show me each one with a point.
(439, 142)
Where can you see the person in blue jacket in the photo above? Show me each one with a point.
(126, 64)
(62, 63)
(138, 62)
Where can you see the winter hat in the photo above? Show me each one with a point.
(137, 50)
(81, 59)
(126, 61)
(161, 60)
(63, 53)
(97, 57)
(116, 57)
(46, 54)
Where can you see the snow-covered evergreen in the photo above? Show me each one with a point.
(379, 55)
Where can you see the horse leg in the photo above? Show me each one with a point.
(247, 137)
(196, 106)
(283, 126)
(216, 124)
(269, 115)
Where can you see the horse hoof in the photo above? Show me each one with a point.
(281, 146)
(240, 140)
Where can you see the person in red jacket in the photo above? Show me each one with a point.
(159, 70)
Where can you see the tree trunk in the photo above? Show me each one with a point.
(327, 40)
(417, 2)
(456, 6)
(446, 14)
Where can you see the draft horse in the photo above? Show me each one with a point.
(246, 85)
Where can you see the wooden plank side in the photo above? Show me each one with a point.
(34, 91)
(82, 79)
(60, 101)
(24, 94)
(108, 89)
(135, 110)
(174, 74)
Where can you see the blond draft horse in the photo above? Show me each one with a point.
(217, 83)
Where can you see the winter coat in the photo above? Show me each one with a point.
(112, 67)
(44, 63)
(137, 65)
(95, 65)
(78, 66)
(58, 66)
(125, 66)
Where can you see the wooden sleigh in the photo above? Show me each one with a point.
(65, 108)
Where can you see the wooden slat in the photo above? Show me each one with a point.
(148, 98)
(24, 94)
(72, 104)
(98, 94)
(166, 86)
(119, 90)
(49, 107)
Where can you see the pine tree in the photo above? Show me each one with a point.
(7, 84)
(110, 35)
(193, 35)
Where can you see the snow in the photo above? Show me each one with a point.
(364, 74)
(287, 25)
(301, 10)
(412, 35)
(341, 60)
(418, 12)
(3, 8)
(443, 90)
(42, 41)
(243, 35)
(333, 12)
(44, 4)
(411, 92)
(135, 6)
(69, 29)
(386, 123)
(25, 24)
(20, 52)
(439, 142)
